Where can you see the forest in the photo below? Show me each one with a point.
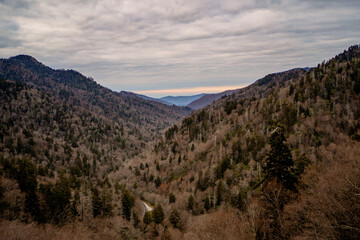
(278, 159)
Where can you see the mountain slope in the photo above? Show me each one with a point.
(217, 158)
(209, 98)
(142, 117)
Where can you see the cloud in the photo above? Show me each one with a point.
(166, 44)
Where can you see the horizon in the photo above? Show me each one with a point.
(187, 92)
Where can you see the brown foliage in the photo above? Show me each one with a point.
(113, 228)
(222, 224)
(330, 207)
(327, 205)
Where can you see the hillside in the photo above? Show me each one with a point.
(143, 118)
(217, 160)
(275, 160)
(207, 99)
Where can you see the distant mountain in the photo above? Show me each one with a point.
(150, 98)
(181, 100)
(207, 99)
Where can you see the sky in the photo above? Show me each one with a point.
(176, 47)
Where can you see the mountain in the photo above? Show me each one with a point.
(181, 100)
(275, 160)
(209, 98)
(151, 99)
(142, 117)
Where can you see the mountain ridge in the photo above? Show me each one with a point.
(74, 87)
(182, 100)
(209, 98)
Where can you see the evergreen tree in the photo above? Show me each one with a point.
(136, 219)
(148, 218)
(240, 200)
(75, 203)
(279, 163)
(157, 167)
(158, 181)
(219, 193)
(191, 203)
(158, 214)
(172, 198)
(26, 178)
(207, 204)
(96, 202)
(128, 202)
(175, 219)
(57, 198)
(106, 206)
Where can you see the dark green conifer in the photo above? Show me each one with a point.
(158, 214)
(279, 163)
(128, 202)
(175, 219)
(148, 218)
(191, 203)
(207, 204)
(172, 198)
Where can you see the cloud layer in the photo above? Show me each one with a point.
(169, 44)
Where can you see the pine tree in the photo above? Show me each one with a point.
(148, 218)
(158, 214)
(26, 178)
(240, 200)
(158, 181)
(128, 202)
(106, 206)
(136, 219)
(175, 219)
(74, 204)
(191, 203)
(172, 198)
(279, 163)
(96, 201)
(207, 204)
(219, 193)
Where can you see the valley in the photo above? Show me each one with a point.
(275, 160)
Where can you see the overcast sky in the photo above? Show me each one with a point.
(161, 47)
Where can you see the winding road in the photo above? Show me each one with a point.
(145, 208)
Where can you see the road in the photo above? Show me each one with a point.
(145, 208)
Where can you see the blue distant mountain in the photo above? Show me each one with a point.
(181, 100)
(150, 98)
